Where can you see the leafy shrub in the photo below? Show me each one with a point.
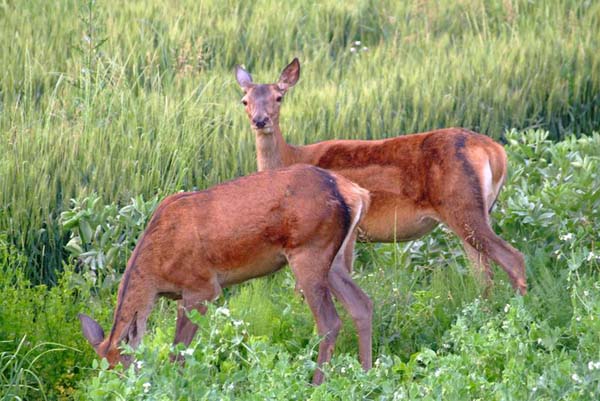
(103, 236)
(485, 355)
(39, 329)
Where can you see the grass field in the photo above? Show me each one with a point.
(116, 104)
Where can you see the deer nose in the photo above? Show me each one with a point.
(260, 123)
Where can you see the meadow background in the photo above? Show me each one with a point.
(106, 107)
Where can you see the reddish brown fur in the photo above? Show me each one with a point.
(197, 243)
(450, 175)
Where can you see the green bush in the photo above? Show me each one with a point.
(134, 100)
(41, 348)
(484, 355)
(103, 236)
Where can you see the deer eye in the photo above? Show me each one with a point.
(244, 102)
(278, 99)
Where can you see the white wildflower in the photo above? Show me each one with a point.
(506, 308)
(576, 378)
(146, 387)
(566, 237)
(223, 311)
(365, 48)
(139, 364)
(187, 351)
(353, 50)
(357, 43)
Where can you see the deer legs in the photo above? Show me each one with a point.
(308, 269)
(358, 305)
(185, 329)
(482, 244)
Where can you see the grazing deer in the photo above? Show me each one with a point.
(450, 175)
(196, 243)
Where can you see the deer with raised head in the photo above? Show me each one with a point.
(416, 181)
(196, 243)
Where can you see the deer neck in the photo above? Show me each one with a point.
(272, 151)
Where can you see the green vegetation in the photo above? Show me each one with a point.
(116, 106)
(134, 99)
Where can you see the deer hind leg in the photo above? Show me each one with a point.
(511, 260)
(311, 275)
(359, 306)
(475, 231)
(346, 257)
(347, 254)
(464, 207)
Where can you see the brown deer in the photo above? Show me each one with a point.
(196, 243)
(450, 175)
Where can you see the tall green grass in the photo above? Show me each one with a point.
(134, 98)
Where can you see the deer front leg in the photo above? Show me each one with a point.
(185, 329)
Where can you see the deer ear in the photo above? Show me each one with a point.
(91, 330)
(243, 77)
(290, 75)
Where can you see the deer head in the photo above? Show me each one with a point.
(105, 348)
(262, 101)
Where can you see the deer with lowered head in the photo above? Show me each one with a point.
(451, 175)
(197, 243)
